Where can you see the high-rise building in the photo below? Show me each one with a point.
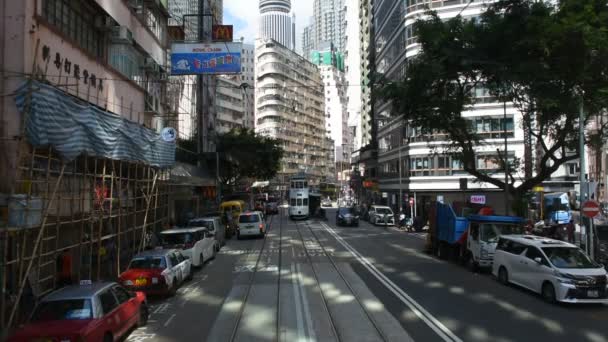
(308, 40)
(246, 81)
(229, 105)
(331, 66)
(352, 70)
(276, 22)
(290, 107)
(327, 27)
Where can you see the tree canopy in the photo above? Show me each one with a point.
(542, 57)
(245, 154)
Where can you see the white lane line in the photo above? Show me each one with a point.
(169, 321)
(308, 317)
(439, 328)
(296, 291)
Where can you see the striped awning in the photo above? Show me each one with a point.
(73, 127)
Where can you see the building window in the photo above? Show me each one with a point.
(76, 20)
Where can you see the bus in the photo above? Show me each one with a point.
(298, 198)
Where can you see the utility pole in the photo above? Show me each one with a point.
(504, 126)
(200, 93)
(400, 202)
(582, 168)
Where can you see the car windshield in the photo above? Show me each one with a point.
(177, 238)
(249, 218)
(568, 257)
(344, 211)
(150, 262)
(68, 309)
(201, 223)
(383, 211)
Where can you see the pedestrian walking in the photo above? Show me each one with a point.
(570, 228)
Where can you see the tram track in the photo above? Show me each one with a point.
(251, 283)
(341, 276)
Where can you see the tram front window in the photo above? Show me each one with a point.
(293, 202)
(299, 202)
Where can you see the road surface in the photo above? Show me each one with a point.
(313, 281)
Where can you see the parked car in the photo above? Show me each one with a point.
(347, 216)
(214, 226)
(381, 215)
(251, 223)
(157, 272)
(559, 271)
(196, 243)
(100, 311)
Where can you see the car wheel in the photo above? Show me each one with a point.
(548, 293)
(190, 275)
(503, 275)
(143, 315)
(173, 289)
(214, 253)
(108, 337)
(471, 264)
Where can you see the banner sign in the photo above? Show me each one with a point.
(200, 58)
(221, 33)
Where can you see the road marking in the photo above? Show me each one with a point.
(297, 299)
(169, 321)
(439, 328)
(308, 317)
(161, 308)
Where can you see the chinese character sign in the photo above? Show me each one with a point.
(199, 58)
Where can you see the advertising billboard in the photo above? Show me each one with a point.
(221, 33)
(205, 58)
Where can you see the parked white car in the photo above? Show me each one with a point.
(197, 244)
(381, 215)
(559, 271)
(251, 223)
(214, 226)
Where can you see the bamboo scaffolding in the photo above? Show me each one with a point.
(40, 233)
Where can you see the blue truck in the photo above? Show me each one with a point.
(557, 208)
(470, 239)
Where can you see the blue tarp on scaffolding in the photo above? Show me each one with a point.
(73, 127)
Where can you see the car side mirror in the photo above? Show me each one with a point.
(538, 260)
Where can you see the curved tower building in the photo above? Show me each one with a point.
(276, 23)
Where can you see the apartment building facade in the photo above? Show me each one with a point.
(290, 106)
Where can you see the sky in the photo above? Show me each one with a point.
(244, 15)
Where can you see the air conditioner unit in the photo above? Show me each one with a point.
(121, 34)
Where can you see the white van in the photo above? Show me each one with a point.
(251, 223)
(559, 271)
(197, 244)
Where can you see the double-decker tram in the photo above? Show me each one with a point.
(298, 197)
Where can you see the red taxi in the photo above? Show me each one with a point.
(103, 311)
(157, 272)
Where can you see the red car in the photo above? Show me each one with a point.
(101, 311)
(157, 272)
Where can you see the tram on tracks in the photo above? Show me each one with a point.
(298, 197)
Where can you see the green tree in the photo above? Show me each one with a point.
(544, 58)
(244, 154)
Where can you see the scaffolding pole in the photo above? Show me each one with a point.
(38, 239)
